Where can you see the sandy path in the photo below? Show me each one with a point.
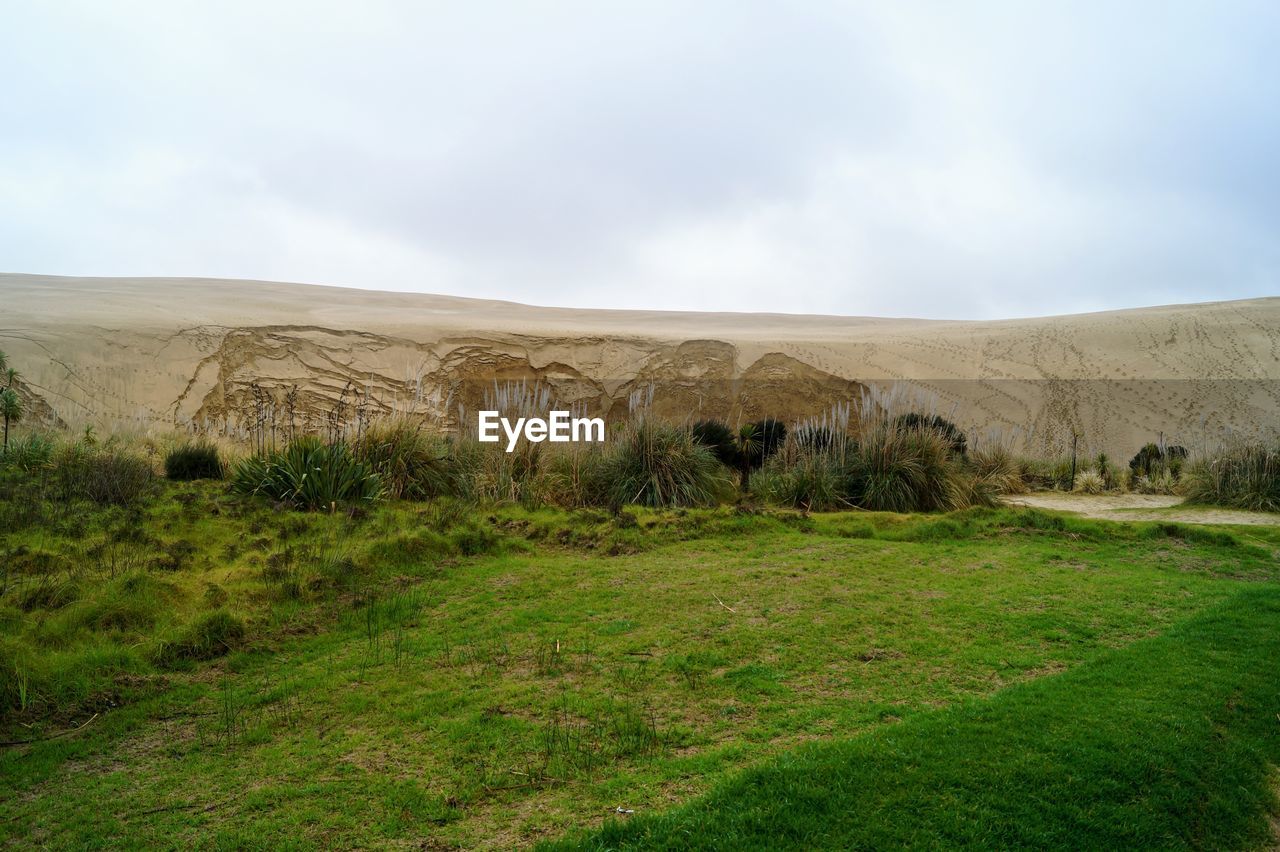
(1140, 507)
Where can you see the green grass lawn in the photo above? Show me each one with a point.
(440, 676)
(1171, 742)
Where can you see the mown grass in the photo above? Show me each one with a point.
(449, 674)
(1171, 742)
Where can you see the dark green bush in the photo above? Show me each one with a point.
(1153, 460)
(1145, 459)
(716, 436)
(194, 460)
(765, 438)
(308, 474)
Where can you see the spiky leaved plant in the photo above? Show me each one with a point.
(11, 410)
(10, 404)
(756, 443)
(308, 474)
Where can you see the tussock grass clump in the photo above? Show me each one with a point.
(194, 460)
(1159, 482)
(909, 468)
(308, 474)
(813, 481)
(885, 464)
(1003, 472)
(47, 593)
(574, 478)
(1090, 482)
(810, 471)
(412, 463)
(658, 464)
(1241, 474)
(486, 473)
(128, 604)
(211, 636)
(953, 434)
(103, 475)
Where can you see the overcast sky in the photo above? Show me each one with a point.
(966, 160)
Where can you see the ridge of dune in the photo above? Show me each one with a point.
(191, 352)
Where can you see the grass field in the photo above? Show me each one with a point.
(439, 675)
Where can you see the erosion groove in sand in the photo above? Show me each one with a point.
(156, 352)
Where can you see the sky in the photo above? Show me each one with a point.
(947, 160)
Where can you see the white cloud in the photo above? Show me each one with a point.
(977, 160)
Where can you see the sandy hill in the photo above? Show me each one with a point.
(219, 353)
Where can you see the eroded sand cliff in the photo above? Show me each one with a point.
(207, 353)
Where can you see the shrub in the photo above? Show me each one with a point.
(657, 464)
(411, 463)
(308, 474)
(1241, 474)
(953, 434)
(1153, 461)
(1145, 459)
(106, 476)
(194, 460)
(716, 436)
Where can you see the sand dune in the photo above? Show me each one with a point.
(194, 353)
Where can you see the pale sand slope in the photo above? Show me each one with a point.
(1141, 507)
(148, 352)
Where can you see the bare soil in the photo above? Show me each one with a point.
(1141, 507)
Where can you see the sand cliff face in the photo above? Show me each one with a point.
(216, 354)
